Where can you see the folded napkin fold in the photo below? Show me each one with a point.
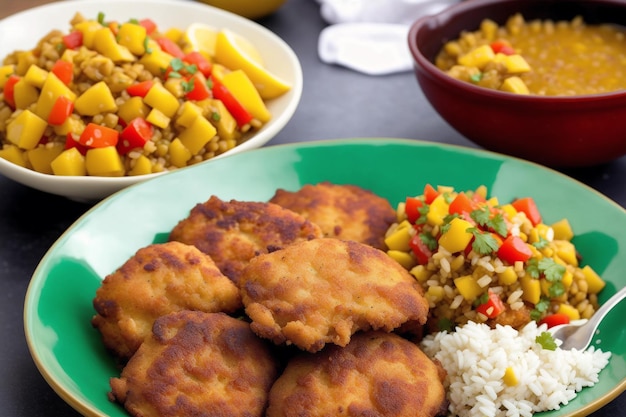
(370, 36)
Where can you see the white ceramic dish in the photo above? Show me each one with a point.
(279, 57)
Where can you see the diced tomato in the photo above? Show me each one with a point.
(61, 110)
(114, 26)
(64, 70)
(169, 46)
(135, 135)
(529, 207)
(70, 142)
(234, 107)
(9, 89)
(430, 193)
(514, 249)
(502, 47)
(200, 90)
(493, 307)
(420, 249)
(149, 25)
(411, 208)
(97, 136)
(139, 89)
(555, 319)
(461, 204)
(73, 39)
(200, 61)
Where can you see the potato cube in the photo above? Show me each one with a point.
(104, 162)
(95, 100)
(187, 113)
(133, 108)
(478, 57)
(105, 43)
(197, 135)
(159, 98)
(14, 154)
(514, 85)
(26, 130)
(157, 118)
(179, 154)
(36, 76)
(52, 88)
(142, 166)
(41, 157)
(132, 36)
(25, 94)
(70, 162)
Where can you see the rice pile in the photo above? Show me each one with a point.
(476, 358)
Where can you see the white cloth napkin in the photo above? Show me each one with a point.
(370, 36)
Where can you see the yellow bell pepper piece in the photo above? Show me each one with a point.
(399, 239)
(477, 57)
(52, 89)
(403, 258)
(104, 162)
(104, 42)
(24, 60)
(434, 294)
(132, 36)
(420, 273)
(142, 166)
(594, 282)
(5, 72)
(508, 276)
(187, 113)
(197, 135)
(14, 155)
(226, 124)
(25, 94)
(563, 230)
(246, 93)
(159, 98)
(26, 130)
(157, 60)
(95, 100)
(132, 108)
(88, 28)
(73, 125)
(456, 238)
(437, 211)
(36, 76)
(531, 288)
(468, 287)
(569, 311)
(69, 163)
(515, 85)
(157, 118)
(179, 154)
(41, 157)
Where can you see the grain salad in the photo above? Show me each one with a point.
(486, 261)
(110, 98)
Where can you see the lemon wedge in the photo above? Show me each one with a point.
(236, 52)
(201, 37)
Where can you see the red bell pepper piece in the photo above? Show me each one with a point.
(514, 249)
(411, 208)
(73, 39)
(234, 107)
(169, 46)
(139, 89)
(149, 25)
(529, 207)
(420, 249)
(199, 89)
(61, 110)
(430, 193)
(555, 319)
(9, 89)
(98, 136)
(502, 47)
(461, 204)
(64, 70)
(135, 135)
(493, 307)
(199, 60)
(70, 142)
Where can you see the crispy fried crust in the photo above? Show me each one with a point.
(346, 212)
(324, 290)
(158, 279)
(233, 232)
(197, 364)
(376, 374)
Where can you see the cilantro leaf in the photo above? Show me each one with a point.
(551, 270)
(497, 224)
(484, 243)
(557, 289)
(481, 216)
(429, 240)
(540, 308)
(541, 243)
(445, 325)
(546, 341)
(423, 211)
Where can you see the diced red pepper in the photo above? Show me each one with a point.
(73, 40)
(234, 107)
(411, 208)
(514, 249)
(430, 193)
(200, 61)
(135, 135)
(64, 70)
(9, 89)
(529, 207)
(169, 46)
(200, 90)
(461, 204)
(98, 136)
(61, 110)
(502, 47)
(420, 249)
(70, 142)
(149, 25)
(493, 307)
(114, 26)
(139, 89)
(555, 319)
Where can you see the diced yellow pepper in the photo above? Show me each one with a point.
(74, 125)
(509, 210)
(478, 57)
(399, 239)
(403, 258)
(456, 238)
(157, 118)
(69, 54)
(437, 211)
(88, 28)
(468, 287)
(5, 72)
(566, 251)
(132, 36)
(187, 113)
(569, 311)
(563, 230)
(36, 76)
(420, 273)
(515, 85)
(531, 288)
(197, 135)
(14, 155)
(104, 42)
(24, 60)
(25, 94)
(104, 162)
(69, 163)
(218, 71)
(52, 89)
(516, 64)
(26, 130)
(142, 166)
(157, 60)
(159, 98)
(594, 282)
(225, 123)
(567, 279)
(95, 100)
(434, 294)
(509, 377)
(132, 108)
(246, 93)
(179, 154)
(41, 157)
(508, 276)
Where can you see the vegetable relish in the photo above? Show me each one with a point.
(479, 259)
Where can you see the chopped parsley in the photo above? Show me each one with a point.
(546, 341)
(484, 243)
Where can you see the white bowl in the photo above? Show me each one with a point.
(278, 56)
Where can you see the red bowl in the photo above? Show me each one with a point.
(556, 131)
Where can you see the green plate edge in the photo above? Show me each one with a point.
(58, 309)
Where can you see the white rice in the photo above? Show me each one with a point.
(476, 357)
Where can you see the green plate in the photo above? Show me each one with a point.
(58, 306)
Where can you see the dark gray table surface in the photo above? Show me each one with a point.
(336, 103)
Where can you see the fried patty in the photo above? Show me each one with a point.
(197, 364)
(346, 212)
(158, 279)
(233, 232)
(377, 374)
(324, 290)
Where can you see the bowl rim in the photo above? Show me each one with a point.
(439, 19)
